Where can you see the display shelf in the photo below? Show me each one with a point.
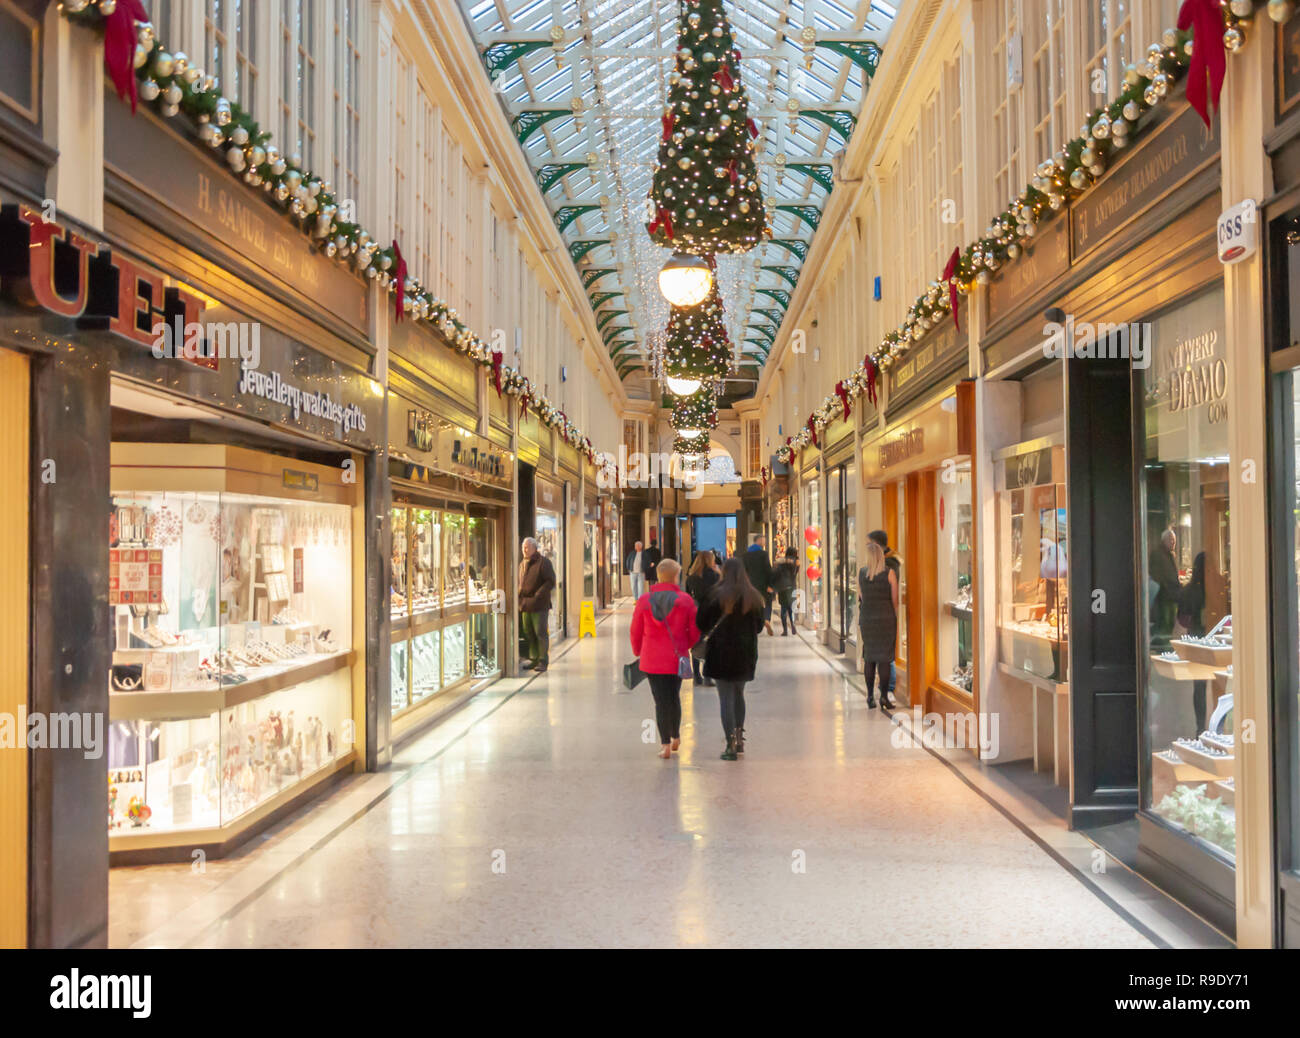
(172, 706)
(1060, 688)
(1181, 670)
(146, 846)
(1213, 656)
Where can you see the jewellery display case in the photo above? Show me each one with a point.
(230, 589)
(550, 532)
(954, 565)
(1033, 573)
(449, 576)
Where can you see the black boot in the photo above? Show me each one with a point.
(871, 701)
(740, 740)
(730, 752)
(885, 702)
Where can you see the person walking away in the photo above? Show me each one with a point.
(633, 569)
(785, 578)
(877, 621)
(536, 582)
(758, 567)
(736, 608)
(663, 631)
(702, 577)
(650, 559)
(894, 562)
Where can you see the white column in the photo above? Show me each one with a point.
(73, 96)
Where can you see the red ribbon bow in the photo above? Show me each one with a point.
(812, 429)
(399, 279)
(663, 219)
(731, 170)
(869, 366)
(119, 47)
(753, 127)
(668, 120)
(949, 272)
(497, 359)
(844, 397)
(1209, 55)
(723, 76)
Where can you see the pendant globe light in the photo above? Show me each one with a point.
(686, 280)
(683, 386)
(690, 434)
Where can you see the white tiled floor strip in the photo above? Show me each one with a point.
(537, 816)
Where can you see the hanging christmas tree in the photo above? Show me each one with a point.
(697, 343)
(697, 411)
(705, 196)
(691, 448)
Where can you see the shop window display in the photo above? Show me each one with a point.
(231, 624)
(549, 536)
(455, 566)
(398, 603)
(954, 566)
(900, 549)
(835, 549)
(851, 554)
(426, 560)
(426, 665)
(780, 527)
(589, 560)
(486, 600)
(1187, 601)
(1033, 571)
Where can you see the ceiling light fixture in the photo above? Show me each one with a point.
(683, 386)
(685, 280)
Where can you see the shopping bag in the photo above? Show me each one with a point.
(632, 674)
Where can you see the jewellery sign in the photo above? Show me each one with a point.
(1179, 148)
(45, 265)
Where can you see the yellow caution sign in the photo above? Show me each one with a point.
(587, 620)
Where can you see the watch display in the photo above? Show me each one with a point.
(1033, 570)
(230, 680)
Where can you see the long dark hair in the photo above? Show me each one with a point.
(734, 592)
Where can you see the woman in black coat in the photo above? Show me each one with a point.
(877, 621)
(733, 611)
(702, 577)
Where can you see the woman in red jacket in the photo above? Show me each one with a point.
(663, 630)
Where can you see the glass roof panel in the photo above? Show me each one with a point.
(615, 57)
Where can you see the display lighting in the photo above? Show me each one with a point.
(686, 280)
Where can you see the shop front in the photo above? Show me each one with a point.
(1281, 219)
(447, 595)
(1133, 631)
(922, 465)
(550, 528)
(223, 585)
(812, 544)
(839, 538)
(611, 552)
(591, 544)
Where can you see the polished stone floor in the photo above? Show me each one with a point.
(540, 816)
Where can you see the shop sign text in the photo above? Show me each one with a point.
(909, 445)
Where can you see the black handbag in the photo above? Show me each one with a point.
(700, 649)
(633, 675)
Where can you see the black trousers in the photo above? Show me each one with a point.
(787, 610)
(874, 668)
(731, 698)
(667, 690)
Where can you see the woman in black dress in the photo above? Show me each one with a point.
(877, 621)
